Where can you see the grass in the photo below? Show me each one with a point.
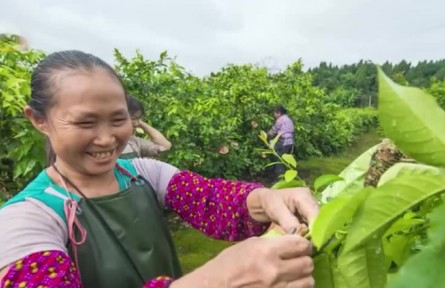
(311, 168)
(194, 248)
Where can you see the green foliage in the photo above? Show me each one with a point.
(426, 122)
(425, 269)
(437, 89)
(209, 121)
(213, 122)
(354, 176)
(379, 235)
(344, 208)
(326, 180)
(20, 141)
(390, 201)
(355, 85)
(365, 236)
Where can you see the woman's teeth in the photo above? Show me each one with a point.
(102, 155)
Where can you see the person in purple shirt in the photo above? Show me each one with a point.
(285, 145)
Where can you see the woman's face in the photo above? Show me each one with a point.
(89, 124)
(276, 115)
(135, 120)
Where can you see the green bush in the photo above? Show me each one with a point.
(20, 142)
(229, 107)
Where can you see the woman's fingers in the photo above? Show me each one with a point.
(307, 282)
(292, 246)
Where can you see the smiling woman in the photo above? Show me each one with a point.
(91, 126)
(93, 220)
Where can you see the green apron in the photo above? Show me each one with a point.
(127, 242)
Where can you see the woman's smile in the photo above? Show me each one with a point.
(103, 156)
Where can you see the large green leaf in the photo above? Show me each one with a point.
(290, 159)
(413, 120)
(284, 184)
(353, 175)
(426, 268)
(325, 180)
(409, 168)
(339, 279)
(422, 270)
(322, 273)
(364, 267)
(403, 223)
(290, 175)
(436, 231)
(397, 248)
(334, 215)
(391, 200)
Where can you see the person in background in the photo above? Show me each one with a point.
(91, 220)
(139, 147)
(285, 145)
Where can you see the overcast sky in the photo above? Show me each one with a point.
(205, 35)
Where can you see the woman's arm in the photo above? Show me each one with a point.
(155, 136)
(216, 207)
(53, 269)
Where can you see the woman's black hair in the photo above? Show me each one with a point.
(135, 107)
(44, 88)
(280, 109)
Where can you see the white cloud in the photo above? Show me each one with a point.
(207, 34)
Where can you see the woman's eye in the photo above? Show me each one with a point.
(119, 121)
(85, 124)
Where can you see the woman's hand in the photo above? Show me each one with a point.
(257, 262)
(290, 208)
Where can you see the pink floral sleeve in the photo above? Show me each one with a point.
(217, 207)
(159, 282)
(43, 270)
(54, 269)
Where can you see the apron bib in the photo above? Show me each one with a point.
(127, 242)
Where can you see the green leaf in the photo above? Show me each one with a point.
(274, 141)
(263, 137)
(293, 183)
(364, 267)
(424, 269)
(353, 175)
(339, 279)
(289, 158)
(290, 175)
(322, 272)
(413, 120)
(271, 164)
(325, 180)
(391, 200)
(436, 231)
(403, 224)
(397, 248)
(409, 168)
(334, 215)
